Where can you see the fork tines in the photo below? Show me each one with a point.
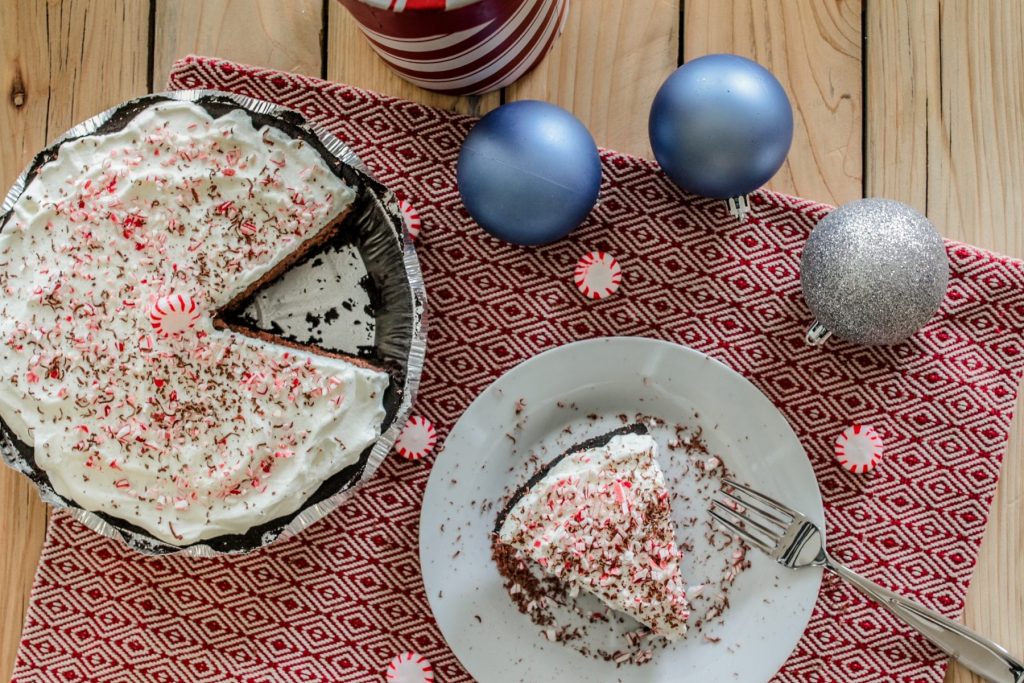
(753, 516)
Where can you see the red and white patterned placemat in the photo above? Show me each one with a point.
(342, 600)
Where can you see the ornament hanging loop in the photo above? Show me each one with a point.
(739, 206)
(817, 335)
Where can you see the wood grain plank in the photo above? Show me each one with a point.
(976, 136)
(945, 130)
(260, 32)
(607, 66)
(63, 61)
(814, 49)
(351, 60)
(901, 83)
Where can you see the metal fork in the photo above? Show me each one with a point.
(794, 541)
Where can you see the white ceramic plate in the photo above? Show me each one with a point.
(770, 606)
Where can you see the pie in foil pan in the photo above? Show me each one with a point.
(362, 293)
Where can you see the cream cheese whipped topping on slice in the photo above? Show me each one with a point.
(201, 433)
(600, 521)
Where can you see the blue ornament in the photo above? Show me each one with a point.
(721, 126)
(529, 172)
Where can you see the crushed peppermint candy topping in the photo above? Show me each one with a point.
(600, 520)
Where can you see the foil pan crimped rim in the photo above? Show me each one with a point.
(383, 202)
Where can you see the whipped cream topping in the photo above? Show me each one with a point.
(600, 521)
(198, 433)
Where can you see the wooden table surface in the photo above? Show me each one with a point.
(916, 100)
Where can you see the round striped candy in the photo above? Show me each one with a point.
(597, 275)
(173, 314)
(859, 448)
(412, 218)
(410, 667)
(417, 438)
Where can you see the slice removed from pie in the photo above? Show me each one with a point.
(598, 518)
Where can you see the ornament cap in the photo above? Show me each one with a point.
(817, 334)
(739, 206)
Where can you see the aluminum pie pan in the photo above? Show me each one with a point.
(398, 330)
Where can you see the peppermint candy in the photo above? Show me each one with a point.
(411, 216)
(173, 314)
(597, 275)
(417, 438)
(859, 448)
(409, 667)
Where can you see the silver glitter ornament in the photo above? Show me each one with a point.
(873, 272)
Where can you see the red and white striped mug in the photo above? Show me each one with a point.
(460, 47)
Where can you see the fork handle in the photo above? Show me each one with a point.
(977, 653)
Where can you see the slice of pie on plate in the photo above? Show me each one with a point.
(598, 518)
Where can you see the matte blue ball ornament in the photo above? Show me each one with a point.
(721, 126)
(529, 172)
